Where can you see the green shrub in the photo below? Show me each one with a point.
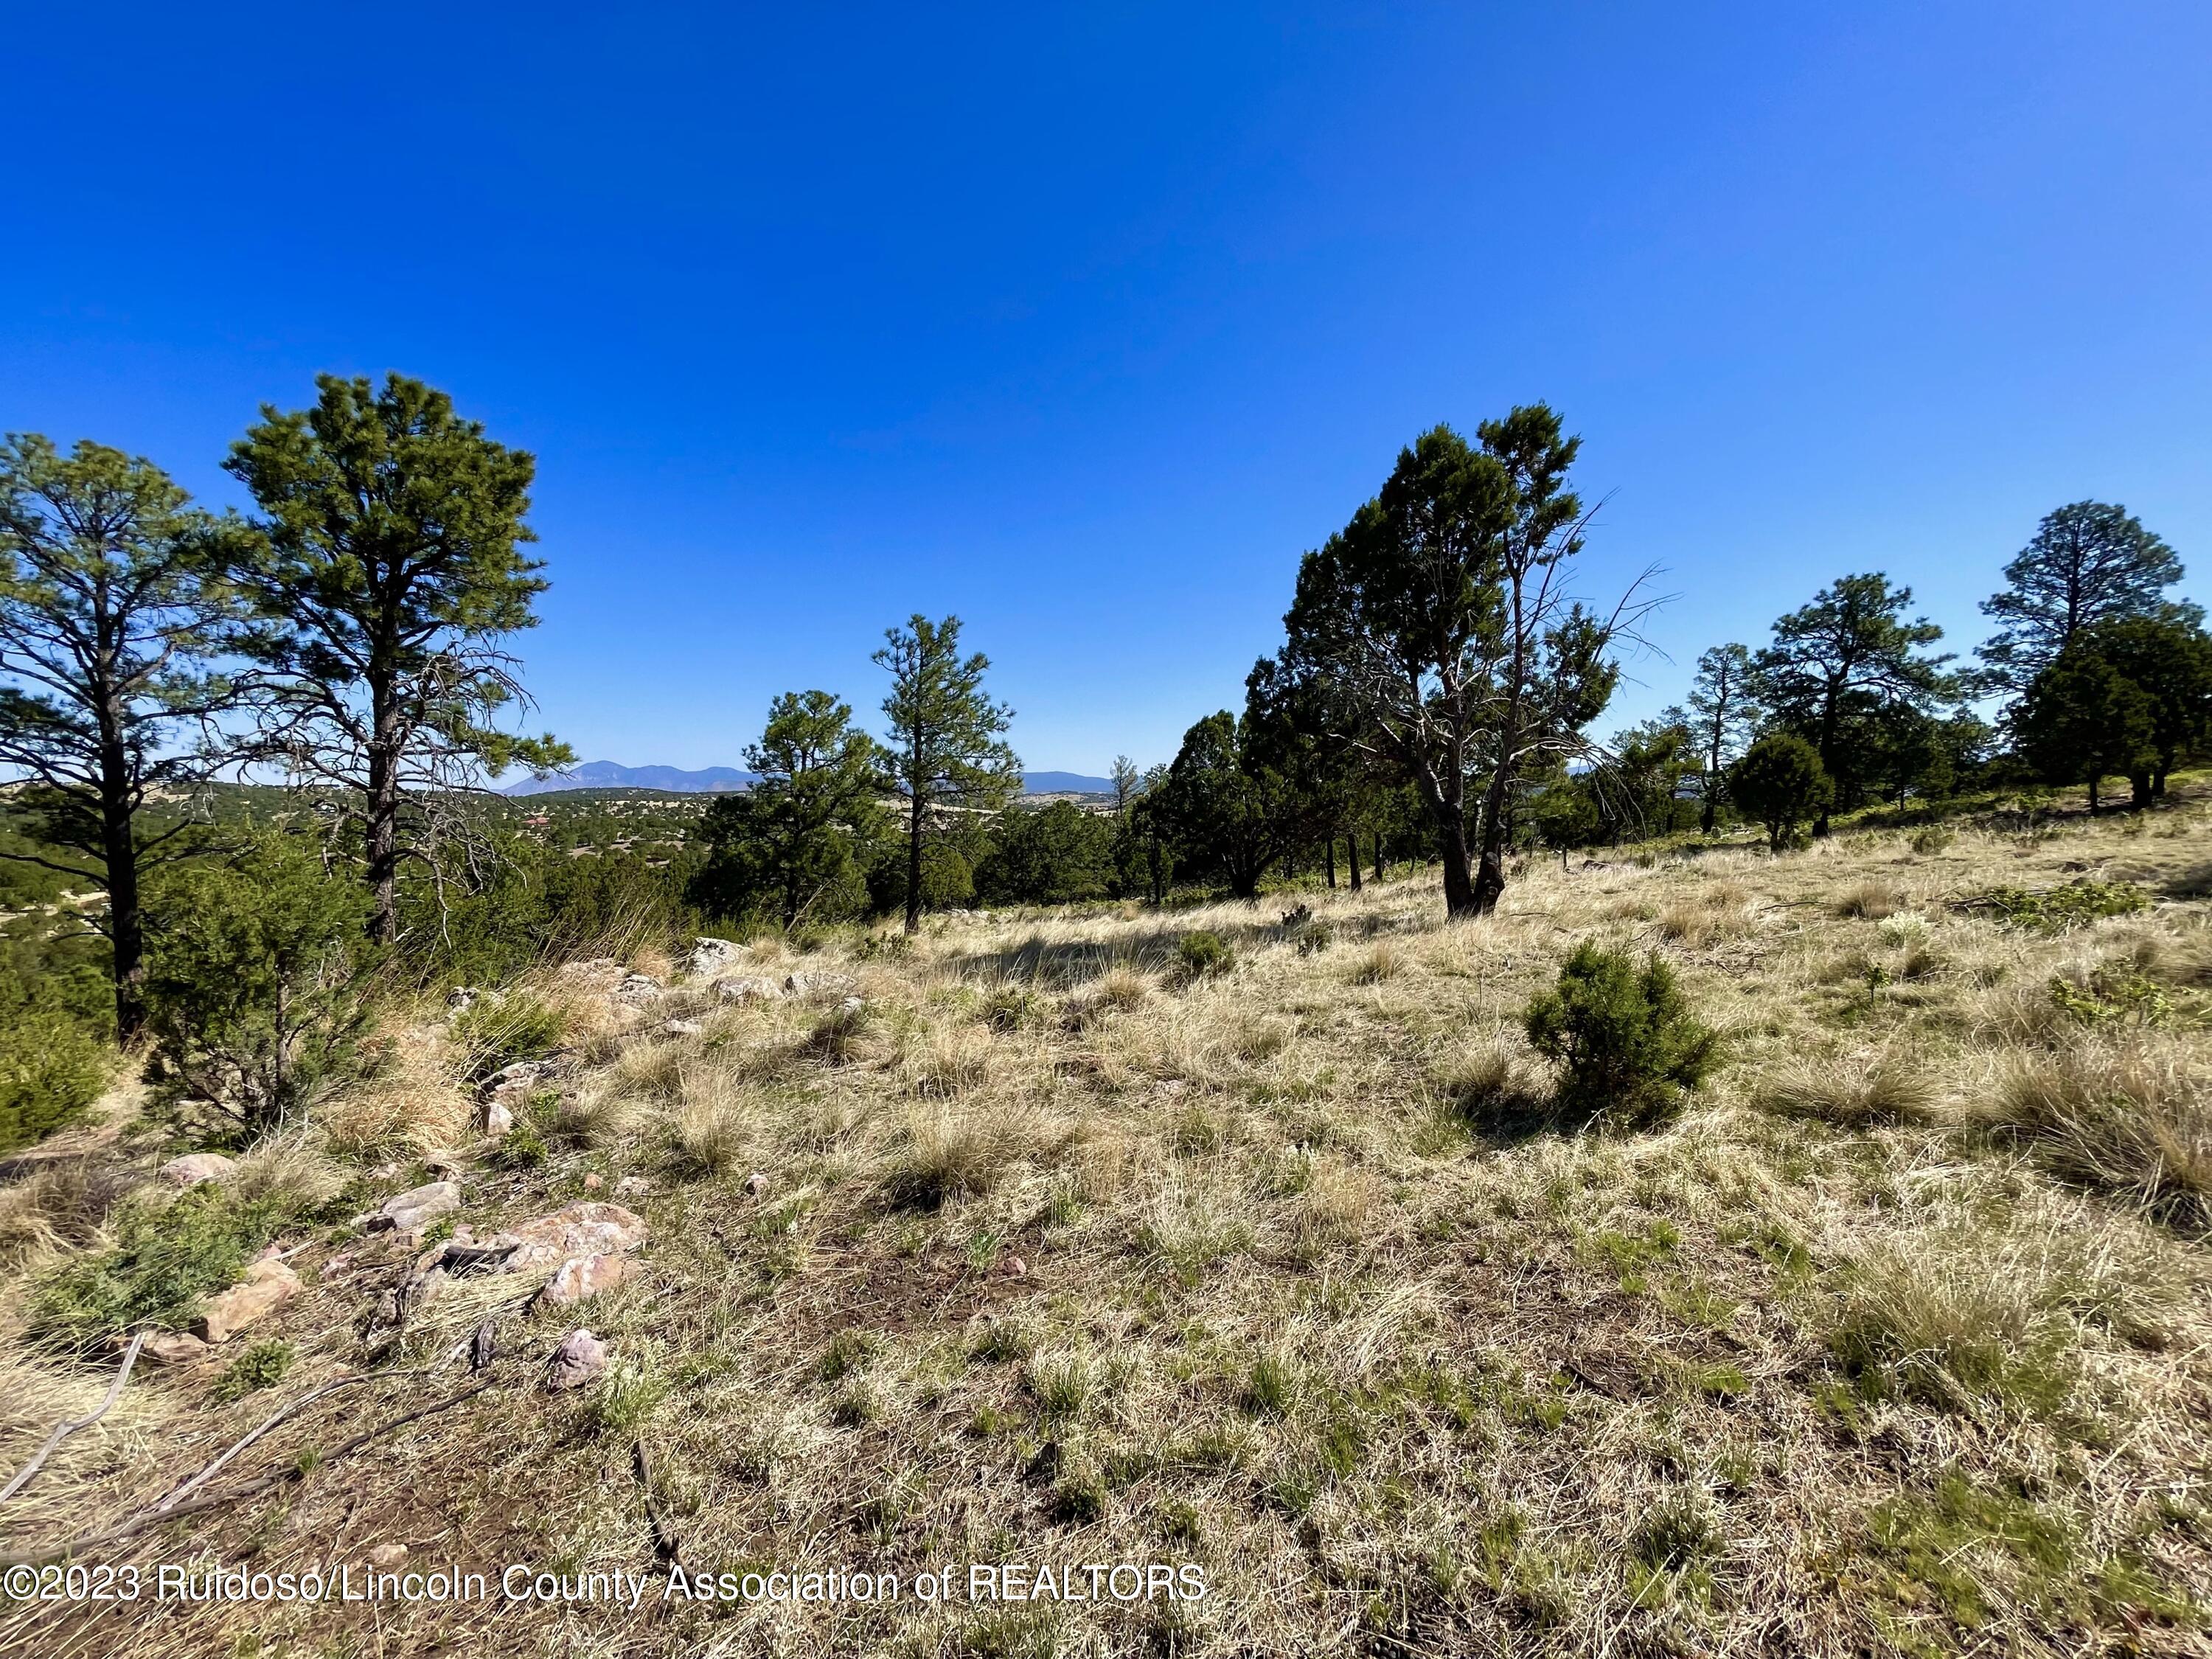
(1202, 953)
(1626, 1044)
(496, 1031)
(2074, 905)
(52, 1068)
(261, 1366)
(1935, 839)
(1780, 783)
(257, 985)
(163, 1261)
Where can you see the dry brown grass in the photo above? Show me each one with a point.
(1288, 1273)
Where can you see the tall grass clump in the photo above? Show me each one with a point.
(1855, 1092)
(2122, 1117)
(1626, 1045)
(494, 1032)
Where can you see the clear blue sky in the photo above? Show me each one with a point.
(1083, 322)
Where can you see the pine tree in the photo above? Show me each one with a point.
(2089, 563)
(947, 748)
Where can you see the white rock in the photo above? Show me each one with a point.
(582, 1277)
(679, 1027)
(498, 1119)
(580, 1358)
(711, 958)
(756, 1184)
(193, 1168)
(417, 1207)
(386, 1555)
(637, 990)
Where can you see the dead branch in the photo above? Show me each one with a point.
(63, 1429)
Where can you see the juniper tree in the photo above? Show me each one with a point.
(947, 748)
(112, 606)
(392, 561)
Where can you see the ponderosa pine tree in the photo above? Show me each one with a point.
(947, 750)
(2090, 562)
(790, 843)
(1846, 655)
(112, 604)
(392, 562)
(1723, 712)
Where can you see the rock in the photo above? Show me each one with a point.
(417, 1207)
(587, 1228)
(599, 973)
(580, 1277)
(711, 958)
(638, 990)
(386, 1555)
(1017, 1268)
(679, 1027)
(591, 1181)
(267, 1286)
(518, 1076)
(819, 984)
(498, 1119)
(193, 1168)
(466, 997)
(753, 988)
(172, 1348)
(756, 1184)
(853, 1008)
(580, 1358)
(632, 1186)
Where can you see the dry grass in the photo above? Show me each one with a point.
(1064, 1255)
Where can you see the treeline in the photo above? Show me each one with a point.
(1436, 698)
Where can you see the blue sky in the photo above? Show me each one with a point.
(1082, 322)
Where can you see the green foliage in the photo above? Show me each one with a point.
(1626, 1044)
(2090, 562)
(52, 1065)
(2083, 719)
(389, 568)
(1780, 783)
(2058, 909)
(947, 748)
(793, 847)
(160, 1264)
(1840, 674)
(264, 1365)
(259, 988)
(1053, 854)
(112, 601)
(1202, 953)
(2115, 993)
(1935, 839)
(1230, 814)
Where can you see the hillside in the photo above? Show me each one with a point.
(1025, 1245)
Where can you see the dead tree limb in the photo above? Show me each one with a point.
(63, 1429)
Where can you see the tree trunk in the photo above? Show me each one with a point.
(383, 842)
(1329, 842)
(1490, 875)
(1705, 818)
(914, 865)
(1351, 862)
(2140, 790)
(1460, 899)
(125, 927)
(2093, 796)
(1378, 855)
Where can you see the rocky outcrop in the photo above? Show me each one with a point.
(639, 991)
(417, 1207)
(580, 1277)
(750, 988)
(820, 984)
(710, 958)
(267, 1286)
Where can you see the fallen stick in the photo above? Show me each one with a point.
(63, 1429)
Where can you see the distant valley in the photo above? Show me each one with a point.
(717, 779)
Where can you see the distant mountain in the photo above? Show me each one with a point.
(607, 775)
(1065, 783)
(717, 780)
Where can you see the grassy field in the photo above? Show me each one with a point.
(1896, 1341)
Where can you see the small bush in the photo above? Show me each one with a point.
(51, 1069)
(2112, 993)
(261, 1366)
(1381, 963)
(1204, 953)
(1935, 838)
(493, 1032)
(1626, 1044)
(1315, 938)
(162, 1263)
(1869, 901)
